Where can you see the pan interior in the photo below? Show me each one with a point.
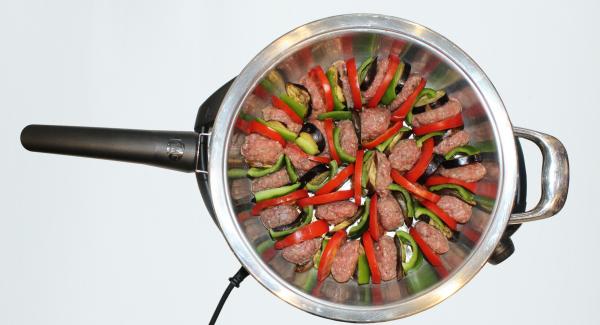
(441, 73)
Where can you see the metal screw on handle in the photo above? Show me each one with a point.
(555, 177)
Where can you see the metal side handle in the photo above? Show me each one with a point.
(555, 177)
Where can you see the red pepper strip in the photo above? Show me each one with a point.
(266, 131)
(310, 231)
(357, 177)
(367, 242)
(299, 194)
(336, 181)
(389, 75)
(421, 165)
(261, 92)
(386, 135)
(487, 189)
(438, 180)
(374, 228)
(448, 220)
(321, 159)
(329, 137)
(449, 123)
(317, 72)
(329, 254)
(353, 81)
(326, 198)
(470, 233)
(402, 111)
(414, 189)
(242, 125)
(284, 107)
(430, 255)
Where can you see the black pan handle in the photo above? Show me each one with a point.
(176, 150)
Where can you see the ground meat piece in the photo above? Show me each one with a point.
(455, 140)
(279, 215)
(373, 122)
(336, 212)
(276, 179)
(409, 87)
(469, 173)
(455, 208)
(271, 113)
(240, 189)
(432, 237)
(389, 212)
(385, 254)
(451, 108)
(260, 151)
(382, 66)
(404, 155)
(302, 252)
(316, 97)
(343, 74)
(348, 138)
(298, 159)
(384, 169)
(345, 260)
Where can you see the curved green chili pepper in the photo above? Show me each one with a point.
(464, 194)
(410, 207)
(468, 150)
(275, 192)
(336, 115)
(407, 239)
(237, 173)
(259, 172)
(427, 136)
(336, 143)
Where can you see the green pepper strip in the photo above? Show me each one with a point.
(338, 105)
(308, 216)
(430, 93)
(407, 238)
(237, 173)
(259, 172)
(363, 223)
(286, 133)
(333, 167)
(247, 117)
(336, 143)
(317, 257)
(438, 223)
(307, 143)
(485, 203)
(427, 136)
(382, 146)
(291, 170)
(300, 109)
(262, 247)
(268, 85)
(464, 194)
(364, 274)
(410, 207)
(486, 146)
(468, 150)
(364, 67)
(336, 115)
(275, 192)
(365, 170)
(390, 92)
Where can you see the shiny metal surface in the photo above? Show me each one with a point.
(555, 176)
(445, 66)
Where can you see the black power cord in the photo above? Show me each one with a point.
(234, 281)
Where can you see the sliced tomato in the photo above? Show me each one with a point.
(367, 242)
(256, 127)
(421, 165)
(319, 75)
(439, 180)
(386, 135)
(242, 125)
(336, 181)
(374, 228)
(277, 102)
(329, 137)
(451, 223)
(357, 177)
(449, 123)
(430, 255)
(326, 198)
(401, 112)
(387, 78)
(299, 194)
(308, 232)
(414, 189)
(353, 81)
(329, 254)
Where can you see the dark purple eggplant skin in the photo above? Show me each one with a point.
(313, 172)
(399, 269)
(315, 134)
(370, 76)
(462, 161)
(434, 164)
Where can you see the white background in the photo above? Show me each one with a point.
(97, 242)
